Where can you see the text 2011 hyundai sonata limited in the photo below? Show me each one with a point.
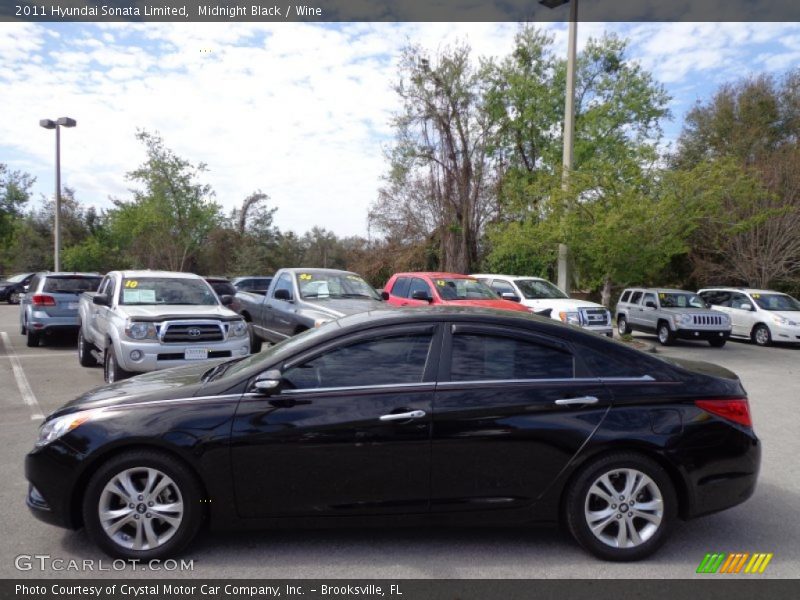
(432, 415)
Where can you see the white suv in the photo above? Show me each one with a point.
(764, 316)
(541, 295)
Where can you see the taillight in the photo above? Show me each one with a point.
(43, 300)
(733, 409)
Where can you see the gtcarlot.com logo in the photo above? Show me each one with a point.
(735, 562)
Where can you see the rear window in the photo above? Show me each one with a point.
(71, 284)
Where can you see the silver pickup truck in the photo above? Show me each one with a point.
(140, 321)
(299, 299)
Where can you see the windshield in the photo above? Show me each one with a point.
(321, 284)
(680, 300)
(17, 278)
(538, 289)
(71, 284)
(776, 302)
(164, 290)
(463, 289)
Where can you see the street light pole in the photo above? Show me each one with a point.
(57, 125)
(569, 126)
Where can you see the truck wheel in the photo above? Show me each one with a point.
(622, 325)
(85, 356)
(32, 340)
(255, 341)
(112, 372)
(665, 334)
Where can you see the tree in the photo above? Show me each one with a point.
(15, 189)
(438, 185)
(170, 216)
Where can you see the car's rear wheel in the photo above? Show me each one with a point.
(142, 505)
(13, 298)
(85, 356)
(32, 340)
(717, 343)
(621, 507)
(665, 334)
(112, 372)
(761, 335)
(622, 326)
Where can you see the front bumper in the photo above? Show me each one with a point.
(703, 334)
(785, 334)
(52, 472)
(607, 330)
(155, 355)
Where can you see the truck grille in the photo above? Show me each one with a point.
(595, 316)
(191, 332)
(707, 320)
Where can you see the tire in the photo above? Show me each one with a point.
(13, 298)
(85, 356)
(622, 326)
(137, 530)
(717, 343)
(761, 335)
(665, 335)
(112, 372)
(588, 496)
(23, 330)
(32, 341)
(255, 341)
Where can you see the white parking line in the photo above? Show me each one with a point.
(22, 381)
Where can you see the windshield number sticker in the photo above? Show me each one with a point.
(131, 283)
(756, 295)
(441, 282)
(305, 276)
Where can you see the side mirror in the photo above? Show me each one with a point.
(101, 300)
(421, 295)
(650, 304)
(384, 295)
(746, 306)
(226, 299)
(269, 382)
(510, 296)
(283, 294)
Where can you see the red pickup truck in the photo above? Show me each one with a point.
(423, 289)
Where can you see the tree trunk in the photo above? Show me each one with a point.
(605, 295)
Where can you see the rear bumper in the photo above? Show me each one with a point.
(37, 321)
(703, 334)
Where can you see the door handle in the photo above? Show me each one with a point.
(414, 414)
(580, 401)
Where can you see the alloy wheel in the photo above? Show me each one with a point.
(624, 508)
(140, 508)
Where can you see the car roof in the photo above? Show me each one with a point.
(742, 289)
(318, 269)
(659, 290)
(498, 276)
(434, 275)
(167, 274)
(69, 274)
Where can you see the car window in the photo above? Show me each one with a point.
(167, 290)
(70, 284)
(603, 364)
(450, 288)
(635, 297)
(625, 295)
(649, 298)
(776, 302)
(326, 284)
(34, 284)
(284, 283)
(380, 361)
(103, 284)
(485, 357)
(680, 300)
(418, 285)
(738, 300)
(537, 289)
(503, 287)
(717, 298)
(111, 288)
(400, 287)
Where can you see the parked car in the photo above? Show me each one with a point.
(12, 288)
(671, 314)
(253, 284)
(540, 295)
(300, 299)
(424, 289)
(140, 321)
(532, 421)
(763, 316)
(51, 303)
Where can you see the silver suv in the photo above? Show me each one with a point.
(671, 314)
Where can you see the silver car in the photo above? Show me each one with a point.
(671, 314)
(51, 303)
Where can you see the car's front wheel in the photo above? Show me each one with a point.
(142, 505)
(112, 372)
(665, 334)
(85, 356)
(761, 335)
(621, 507)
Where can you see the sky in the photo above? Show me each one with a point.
(299, 111)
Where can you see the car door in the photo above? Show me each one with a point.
(635, 309)
(398, 291)
(417, 285)
(275, 321)
(349, 433)
(101, 315)
(511, 409)
(648, 315)
(742, 313)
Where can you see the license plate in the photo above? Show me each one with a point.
(72, 306)
(195, 353)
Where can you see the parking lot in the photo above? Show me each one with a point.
(35, 381)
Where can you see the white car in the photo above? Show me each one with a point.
(540, 295)
(763, 316)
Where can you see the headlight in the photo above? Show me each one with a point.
(683, 319)
(55, 428)
(571, 318)
(237, 329)
(141, 331)
(783, 320)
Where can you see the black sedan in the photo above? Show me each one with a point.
(427, 416)
(14, 286)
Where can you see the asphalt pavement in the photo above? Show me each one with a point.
(35, 381)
